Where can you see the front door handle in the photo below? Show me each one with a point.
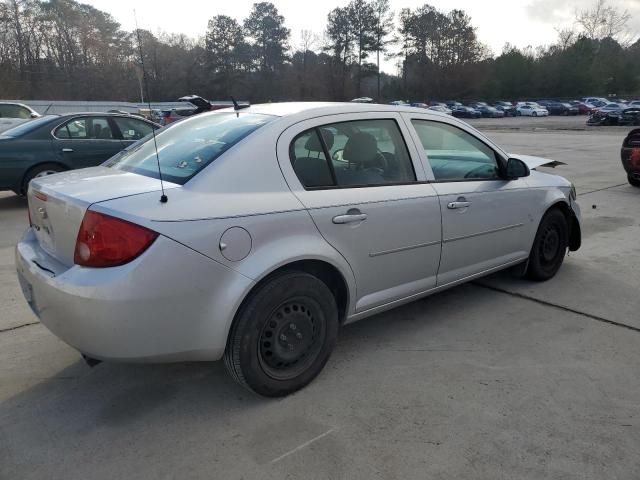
(461, 202)
(352, 216)
(67, 150)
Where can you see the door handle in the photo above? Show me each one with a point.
(67, 150)
(352, 216)
(461, 202)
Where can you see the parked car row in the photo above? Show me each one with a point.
(601, 111)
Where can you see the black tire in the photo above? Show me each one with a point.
(283, 334)
(534, 114)
(38, 170)
(633, 181)
(549, 246)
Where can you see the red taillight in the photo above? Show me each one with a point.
(105, 241)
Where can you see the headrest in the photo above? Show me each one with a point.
(361, 148)
(313, 144)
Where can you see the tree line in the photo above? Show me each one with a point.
(63, 49)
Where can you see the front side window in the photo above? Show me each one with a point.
(352, 154)
(188, 146)
(454, 154)
(85, 128)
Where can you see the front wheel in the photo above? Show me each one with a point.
(283, 334)
(549, 246)
(633, 181)
(534, 114)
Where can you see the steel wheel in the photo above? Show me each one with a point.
(549, 246)
(291, 340)
(283, 334)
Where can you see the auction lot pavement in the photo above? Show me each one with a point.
(499, 379)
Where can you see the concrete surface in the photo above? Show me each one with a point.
(500, 379)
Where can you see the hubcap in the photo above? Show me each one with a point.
(44, 173)
(291, 339)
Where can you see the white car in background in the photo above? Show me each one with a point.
(13, 114)
(441, 109)
(532, 111)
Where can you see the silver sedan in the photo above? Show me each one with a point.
(278, 224)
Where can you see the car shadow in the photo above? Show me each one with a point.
(11, 201)
(79, 412)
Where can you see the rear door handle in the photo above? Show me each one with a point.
(352, 216)
(67, 150)
(460, 203)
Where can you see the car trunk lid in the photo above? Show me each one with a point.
(57, 203)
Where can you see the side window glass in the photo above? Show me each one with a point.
(454, 154)
(309, 161)
(73, 129)
(132, 129)
(99, 129)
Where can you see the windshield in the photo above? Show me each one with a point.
(28, 127)
(187, 147)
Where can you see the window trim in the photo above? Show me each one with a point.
(500, 161)
(65, 122)
(328, 158)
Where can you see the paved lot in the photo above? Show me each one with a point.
(500, 379)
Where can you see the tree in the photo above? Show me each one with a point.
(265, 27)
(603, 21)
(223, 46)
(383, 28)
(362, 21)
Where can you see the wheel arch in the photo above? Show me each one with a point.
(37, 165)
(322, 269)
(575, 231)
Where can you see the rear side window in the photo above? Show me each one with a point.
(188, 146)
(85, 128)
(352, 154)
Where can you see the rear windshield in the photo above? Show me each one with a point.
(29, 126)
(187, 147)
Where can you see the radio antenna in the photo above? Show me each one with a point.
(163, 197)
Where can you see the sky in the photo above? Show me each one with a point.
(519, 22)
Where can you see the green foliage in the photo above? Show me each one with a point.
(64, 49)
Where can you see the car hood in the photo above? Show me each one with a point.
(535, 162)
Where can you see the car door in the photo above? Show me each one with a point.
(130, 130)
(366, 192)
(485, 218)
(86, 141)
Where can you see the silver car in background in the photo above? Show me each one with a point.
(283, 222)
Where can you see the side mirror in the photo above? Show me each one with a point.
(34, 115)
(517, 169)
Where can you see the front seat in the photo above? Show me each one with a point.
(361, 151)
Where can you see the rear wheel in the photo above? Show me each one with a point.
(283, 334)
(633, 181)
(549, 246)
(37, 172)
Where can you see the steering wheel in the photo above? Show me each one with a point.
(482, 169)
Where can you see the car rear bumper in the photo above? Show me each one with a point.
(169, 304)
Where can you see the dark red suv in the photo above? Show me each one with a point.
(631, 157)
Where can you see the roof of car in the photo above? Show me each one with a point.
(284, 109)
